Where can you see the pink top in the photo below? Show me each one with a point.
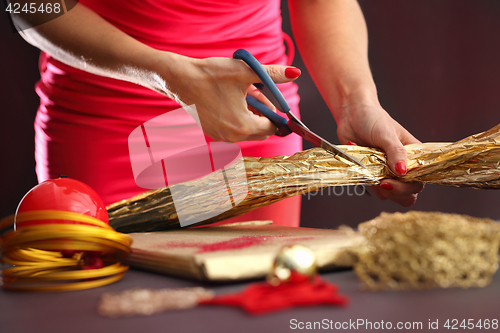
(84, 120)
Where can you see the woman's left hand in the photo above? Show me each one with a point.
(370, 125)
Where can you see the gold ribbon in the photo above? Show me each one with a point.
(33, 250)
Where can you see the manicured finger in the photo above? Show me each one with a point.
(396, 153)
(282, 74)
(254, 92)
(377, 192)
(278, 73)
(392, 143)
(403, 193)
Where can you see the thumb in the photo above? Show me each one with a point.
(396, 154)
(282, 74)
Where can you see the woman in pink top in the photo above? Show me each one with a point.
(109, 66)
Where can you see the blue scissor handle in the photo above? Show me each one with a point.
(264, 77)
(276, 119)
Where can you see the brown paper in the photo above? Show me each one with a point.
(235, 252)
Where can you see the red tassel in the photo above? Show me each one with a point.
(259, 298)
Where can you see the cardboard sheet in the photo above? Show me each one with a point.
(236, 251)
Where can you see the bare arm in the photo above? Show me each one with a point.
(332, 37)
(333, 40)
(84, 40)
(217, 86)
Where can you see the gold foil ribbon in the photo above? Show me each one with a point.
(34, 251)
(471, 162)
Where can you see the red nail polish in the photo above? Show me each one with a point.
(386, 186)
(350, 143)
(292, 72)
(401, 168)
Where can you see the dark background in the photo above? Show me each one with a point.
(436, 65)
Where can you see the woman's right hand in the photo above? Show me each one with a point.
(217, 87)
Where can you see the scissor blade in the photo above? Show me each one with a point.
(318, 141)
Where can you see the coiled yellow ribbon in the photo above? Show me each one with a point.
(31, 249)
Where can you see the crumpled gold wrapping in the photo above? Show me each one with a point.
(471, 162)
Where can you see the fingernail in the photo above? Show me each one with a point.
(292, 72)
(386, 186)
(350, 143)
(401, 168)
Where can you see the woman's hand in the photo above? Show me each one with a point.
(370, 125)
(217, 87)
(333, 41)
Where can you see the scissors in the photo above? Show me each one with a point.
(284, 126)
